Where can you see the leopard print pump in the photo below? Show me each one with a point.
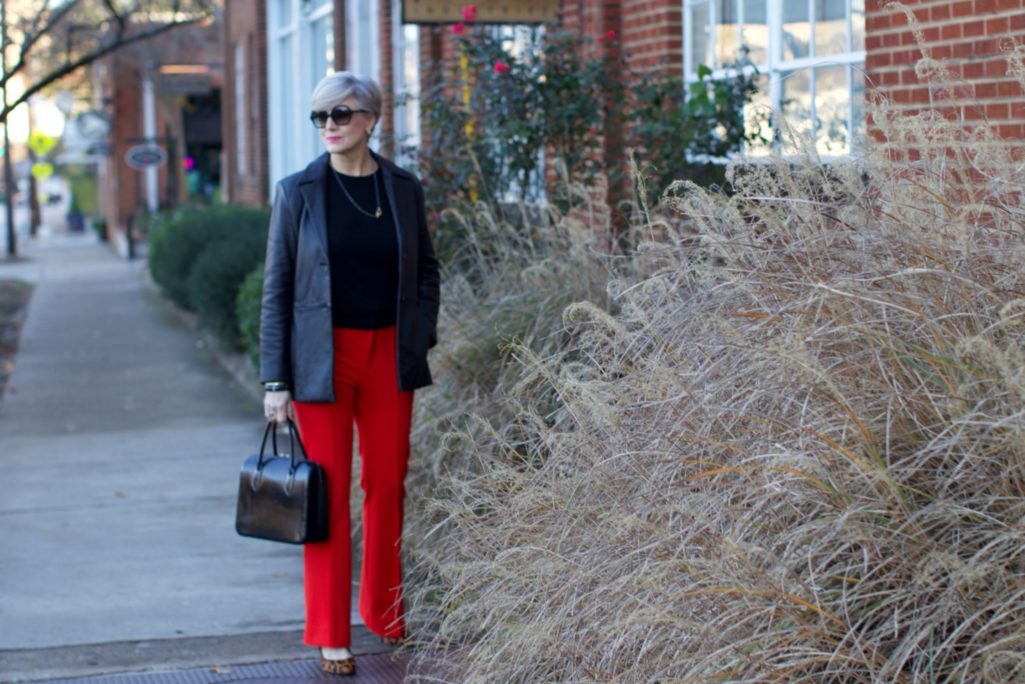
(343, 668)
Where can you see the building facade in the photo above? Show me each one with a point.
(163, 92)
(817, 61)
(244, 101)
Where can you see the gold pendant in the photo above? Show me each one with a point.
(377, 214)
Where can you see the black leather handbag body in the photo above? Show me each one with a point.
(282, 497)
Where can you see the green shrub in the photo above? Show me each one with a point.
(179, 237)
(84, 191)
(214, 282)
(247, 310)
(176, 244)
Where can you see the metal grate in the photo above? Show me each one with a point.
(370, 669)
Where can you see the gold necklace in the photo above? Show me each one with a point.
(377, 196)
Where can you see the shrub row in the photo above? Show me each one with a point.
(200, 258)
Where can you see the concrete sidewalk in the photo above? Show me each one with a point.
(120, 442)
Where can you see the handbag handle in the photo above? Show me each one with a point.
(293, 437)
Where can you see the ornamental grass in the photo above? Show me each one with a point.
(781, 439)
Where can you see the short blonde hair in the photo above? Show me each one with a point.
(342, 85)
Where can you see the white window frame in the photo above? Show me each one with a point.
(776, 66)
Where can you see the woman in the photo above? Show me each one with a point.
(350, 304)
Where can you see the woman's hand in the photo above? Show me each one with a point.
(277, 406)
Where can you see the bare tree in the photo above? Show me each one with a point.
(59, 38)
(45, 41)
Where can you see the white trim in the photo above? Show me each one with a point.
(241, 120)
(149, 130)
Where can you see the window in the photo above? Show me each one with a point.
(810, 53)
(300, 52)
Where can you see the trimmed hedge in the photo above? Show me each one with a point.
(215, 281)
(199, 258)
(247, 310)
(177, 239)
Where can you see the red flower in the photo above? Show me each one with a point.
(501, 67)
(459, 29)
(469, 13)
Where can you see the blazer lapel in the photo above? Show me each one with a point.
(311, 186)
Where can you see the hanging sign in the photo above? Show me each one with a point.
(498, 12)
(144, 156)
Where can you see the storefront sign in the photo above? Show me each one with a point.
(499, 12)
(144, 156)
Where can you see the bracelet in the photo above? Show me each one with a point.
(275, 386)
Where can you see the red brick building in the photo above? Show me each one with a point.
(817, 60)
(244, 101)
(164, 91)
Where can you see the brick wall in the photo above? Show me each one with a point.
(121, 185)
(969, 38)
(652, 35)
(244, 23)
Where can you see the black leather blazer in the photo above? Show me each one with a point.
(296, 343)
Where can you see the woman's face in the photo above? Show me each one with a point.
(348, 137)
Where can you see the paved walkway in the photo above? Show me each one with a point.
(120, 444)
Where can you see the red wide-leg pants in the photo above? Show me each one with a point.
(367, 393)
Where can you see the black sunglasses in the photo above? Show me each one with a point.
(340, 114)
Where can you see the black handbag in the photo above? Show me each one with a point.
(281, 497)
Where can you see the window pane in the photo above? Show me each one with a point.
(407, 118)
(796, 107)
(857, 25)
(700, 47)
(288, 106)
(796, 29)
(858, 106)
(756, 31)
(831, 110)
(727, 34)
(285, 12)
(323, 48)
(830, 27)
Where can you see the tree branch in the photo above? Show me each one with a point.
(92, 57)
(33, 38)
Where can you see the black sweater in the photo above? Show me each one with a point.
(363, 252)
